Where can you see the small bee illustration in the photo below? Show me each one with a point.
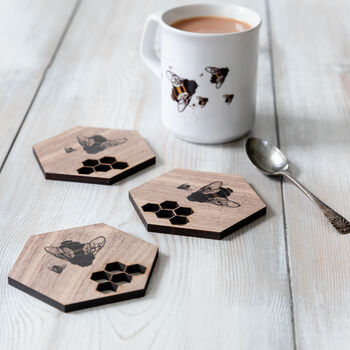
(98, 143)
(213, 193)
(69, 149)
(185, 187)
(202, 101)
(218, 75)
(57, 268)
(77, 253)
(182, 91)
(228, 98)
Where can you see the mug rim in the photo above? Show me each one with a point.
(196, 34)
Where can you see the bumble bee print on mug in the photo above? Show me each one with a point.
(182, 91)
(202, 101)
(218, 75)
(228, 98)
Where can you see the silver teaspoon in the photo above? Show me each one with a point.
(271, 161)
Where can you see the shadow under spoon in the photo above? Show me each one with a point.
(271, 161)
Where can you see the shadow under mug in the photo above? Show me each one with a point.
(208, 81)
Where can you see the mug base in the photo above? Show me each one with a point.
(208, 141)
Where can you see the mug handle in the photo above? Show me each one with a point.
(148, 54)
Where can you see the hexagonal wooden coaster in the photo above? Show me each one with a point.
(195, 203)
(84, 266)
(95, 155)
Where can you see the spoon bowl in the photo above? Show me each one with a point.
(266, 157)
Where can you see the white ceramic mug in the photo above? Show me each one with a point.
(208, 81)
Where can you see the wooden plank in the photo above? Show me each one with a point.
(313, 105)
(204, 294)
(29, 34)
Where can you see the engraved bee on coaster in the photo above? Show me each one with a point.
(218, 75)
(97, 143)
(228, 98)
(69, 149)
(57, 268)
(77, 253)
(185, 187)
(182, 91)
(214, 193)
(202, 101)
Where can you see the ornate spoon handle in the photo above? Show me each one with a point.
(339, 222)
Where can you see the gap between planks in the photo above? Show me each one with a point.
(277, 129)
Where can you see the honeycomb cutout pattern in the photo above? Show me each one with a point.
(169, 210)
(101, 165)
(115, 274)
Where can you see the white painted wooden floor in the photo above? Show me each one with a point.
(282, 282)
